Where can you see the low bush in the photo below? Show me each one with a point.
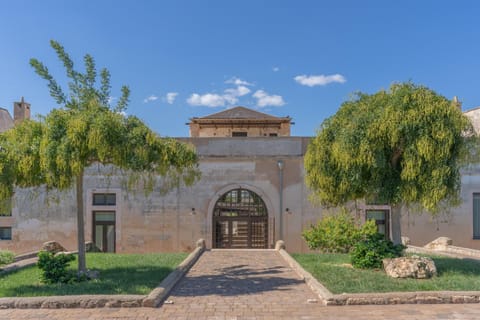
(6, 257)
(54, 267)
(338, 233)
(369, 253)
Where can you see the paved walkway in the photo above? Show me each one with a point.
(249, 285)
(242, 284)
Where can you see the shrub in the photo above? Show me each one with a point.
(54, 267)
(370, 252)
(337, 233)
(6, 257)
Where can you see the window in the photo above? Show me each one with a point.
(5, 233)
(381, 220)
(476, 216)
(239, 134)
(104, 199)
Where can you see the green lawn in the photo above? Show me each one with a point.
(119, 274)
(335, 273)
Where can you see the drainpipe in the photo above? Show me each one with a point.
(280, 178)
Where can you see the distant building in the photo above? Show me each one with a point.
(240, 122)
(21, 111)
(6, 121)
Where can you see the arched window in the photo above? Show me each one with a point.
(240, 203)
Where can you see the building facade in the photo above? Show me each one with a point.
(251, 193)
(462, 223)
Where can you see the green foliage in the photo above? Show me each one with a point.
(402, 145)
(6, 257)
(54, 267)
(335, 273)
(55, 150)
(119, 274)
(337, 233)
(370, 252)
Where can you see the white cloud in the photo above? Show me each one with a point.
(264, 99)
(320, 80)
(275, 69)
(229, 96)
(170, 97)
(238, 82)
(207, 100)
(111, 99)
(150, 98)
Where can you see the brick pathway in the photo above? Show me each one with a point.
(240, 284)
(249, 285)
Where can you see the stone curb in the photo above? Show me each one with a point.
(158, 294)
(420, 297)
(28, 255)
(18, 265)
(107, 301)
(323, 293)
(80, 301)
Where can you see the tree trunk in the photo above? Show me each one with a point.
(82, 266)
(395, 219)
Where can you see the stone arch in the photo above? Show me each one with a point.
(233, 186)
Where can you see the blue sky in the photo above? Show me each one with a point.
(184, 59)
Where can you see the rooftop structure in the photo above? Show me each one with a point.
(21, 111)
(240, 122)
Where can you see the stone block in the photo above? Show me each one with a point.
(91, 247)
(440, 243)
(53, 246)
(410, 267)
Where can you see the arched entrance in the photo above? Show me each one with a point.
(240, 220)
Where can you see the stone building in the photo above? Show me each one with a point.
(251, 193)
(21, 111)
(240, 122)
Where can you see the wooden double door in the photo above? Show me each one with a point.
(241, 232)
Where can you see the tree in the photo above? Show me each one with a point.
(86, 129)
(401, 146)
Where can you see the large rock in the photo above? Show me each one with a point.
(91, 247)
(441, 243)
(410, 267)
(53, 247)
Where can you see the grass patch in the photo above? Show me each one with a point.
(334, 272)
(119, 274)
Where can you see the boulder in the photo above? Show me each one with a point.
(405, 241)
(91, 247)
(53, 247)
(279, 245)
(410, 267)
(441, 243)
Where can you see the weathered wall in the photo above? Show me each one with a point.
(455, 223)
(166, 222)
(211, 130)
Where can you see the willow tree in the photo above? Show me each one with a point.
(55, 150)
(401, 146)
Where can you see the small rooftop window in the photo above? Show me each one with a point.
(239, 134)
